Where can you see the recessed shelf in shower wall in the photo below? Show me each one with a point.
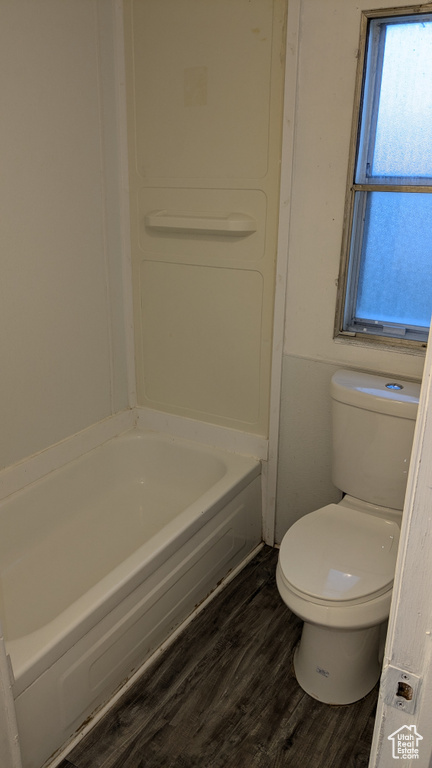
(230, 224)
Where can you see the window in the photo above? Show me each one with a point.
(386, 274)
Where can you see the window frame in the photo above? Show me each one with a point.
(356, 195)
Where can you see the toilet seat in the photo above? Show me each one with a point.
(338, 556)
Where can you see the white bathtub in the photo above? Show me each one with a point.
(100, 561)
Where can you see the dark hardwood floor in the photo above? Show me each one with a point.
(224, 695)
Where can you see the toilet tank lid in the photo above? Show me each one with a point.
(376, 393)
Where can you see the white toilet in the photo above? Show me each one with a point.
(336, 565)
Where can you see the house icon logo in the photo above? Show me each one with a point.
(405, 743)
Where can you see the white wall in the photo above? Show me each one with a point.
(328, 42)
(62, 343)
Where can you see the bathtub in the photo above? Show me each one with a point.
(102, 559)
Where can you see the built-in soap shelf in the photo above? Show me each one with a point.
(231, 224)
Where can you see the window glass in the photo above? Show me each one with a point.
(395, 280)
(403, 141)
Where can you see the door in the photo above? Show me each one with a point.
(9, 747)
(405, 698)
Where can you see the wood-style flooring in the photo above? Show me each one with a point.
(224, 695)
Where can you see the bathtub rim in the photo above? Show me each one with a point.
(29, 469)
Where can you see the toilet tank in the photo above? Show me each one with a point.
(373, 419)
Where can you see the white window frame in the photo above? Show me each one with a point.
(346, 325)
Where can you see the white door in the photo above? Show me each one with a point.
(403, 723)
(9, 747)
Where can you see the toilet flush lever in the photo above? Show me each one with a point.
(402, 689)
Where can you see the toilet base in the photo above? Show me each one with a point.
(338, 666)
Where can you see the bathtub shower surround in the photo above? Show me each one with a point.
(102, 558)
(204, 84)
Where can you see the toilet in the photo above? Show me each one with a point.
(336, 565)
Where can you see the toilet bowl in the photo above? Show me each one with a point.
(336, 565)
(342, 591)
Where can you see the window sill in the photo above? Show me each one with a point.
(384, 343)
